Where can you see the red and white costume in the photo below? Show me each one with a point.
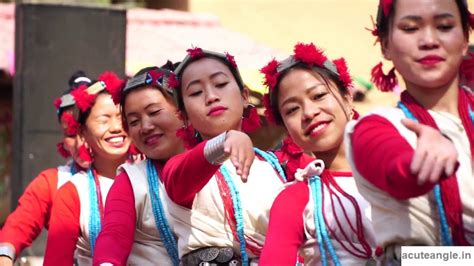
(292, 230)
(69, 224)
(129, 234)
(380, 150)
(199, 213)
(24, 224)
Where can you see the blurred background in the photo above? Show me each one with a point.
(43, 42)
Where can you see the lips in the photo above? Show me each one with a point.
(430, 60)
(116, 141)
(153, 139)
(215, 111)
(316, 129)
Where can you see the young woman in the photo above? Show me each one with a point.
(222, 194)
(24, 224)
(78, 206)
(136, 229)
(418, 195)
(322, 216)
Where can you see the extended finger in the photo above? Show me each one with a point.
(437, 170)
(247, 164)
(412, 125)
(417, 160)
(425, 170)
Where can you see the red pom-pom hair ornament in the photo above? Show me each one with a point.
(83, 99)
(70, 125)
(188, 135)
(57, 102)
(62, 151)
(195, 52)
(250, 120)
(113, 85)
(309, 54)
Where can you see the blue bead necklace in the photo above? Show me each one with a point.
(446, 237)
(159, 213)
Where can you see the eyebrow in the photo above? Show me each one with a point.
(135, 113)
(436, 17)
(291, 99)
(211, 77)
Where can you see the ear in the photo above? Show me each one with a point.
(465, 48)
(80, 134)
(245, 95)
(385, 48)
(183, 117)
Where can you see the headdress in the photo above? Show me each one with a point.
(304, 54)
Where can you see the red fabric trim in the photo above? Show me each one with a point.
(64, 229)
(449, 186)
(115, 241)
(341, 174)
(184, 175)
(286, 227)
(25, 223)
(376, 142)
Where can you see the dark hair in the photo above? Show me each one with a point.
(73, 85)
(168, 66)
(324, 73)
(384, 22)
(234, 70)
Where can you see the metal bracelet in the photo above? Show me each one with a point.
(7, 251)
(214, 150)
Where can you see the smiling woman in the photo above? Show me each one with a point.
(78, 206)
(136, 229)
(323, 212)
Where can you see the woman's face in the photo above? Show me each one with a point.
(103, 130)
(212, 99)
(426, 42)
(152, 123)
(314, 114)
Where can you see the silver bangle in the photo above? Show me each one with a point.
(7, 251)
(214, 150)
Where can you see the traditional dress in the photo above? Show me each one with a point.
(381, 149)
(70, 221)
(130, 234)
(24, 224)
(202, 208)
(292, 225)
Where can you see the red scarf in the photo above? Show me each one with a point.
(449, 186)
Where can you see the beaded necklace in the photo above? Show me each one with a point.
(159, 213)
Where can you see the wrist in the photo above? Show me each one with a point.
(7, 250)
(214, 150)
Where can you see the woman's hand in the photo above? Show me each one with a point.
(434, 156)
(239, 147)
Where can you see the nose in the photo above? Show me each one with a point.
(211, 96)
(146, 127)
(429, 39)
(116, 125)
(310, 110)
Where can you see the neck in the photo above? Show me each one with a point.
(107, 167)
(335, 160)
(444, 98)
